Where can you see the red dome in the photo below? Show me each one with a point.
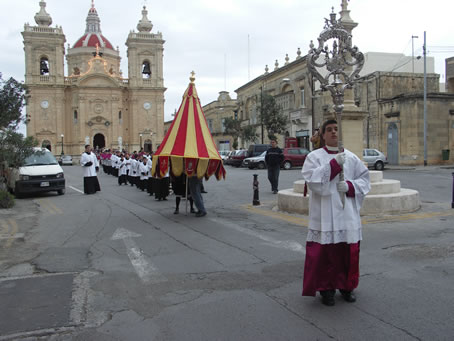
(91, 39)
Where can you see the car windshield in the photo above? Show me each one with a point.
(263, 154)
(40, 159)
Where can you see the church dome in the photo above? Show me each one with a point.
(93, 36)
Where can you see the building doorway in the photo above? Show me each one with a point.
(46, 144)
(393, 144)
(148, 146)
(99, 142)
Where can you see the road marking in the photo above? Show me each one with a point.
(278, 215)
(300, 221)
(44, 203)
(55, 208)
(283, 244)
(75, 189)
(147, 272)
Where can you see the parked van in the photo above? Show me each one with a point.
(40, 173)
(257, 149)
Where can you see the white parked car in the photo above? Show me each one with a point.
(255, 162)
(66, 160)
(224, 154)
(40, 173)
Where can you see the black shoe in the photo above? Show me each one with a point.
(176, 211)
(274, 192)
(328, 297)
(193, 210)
(203, 192)
(348, 296)
(200, 214)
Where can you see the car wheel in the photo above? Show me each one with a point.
(379, 165)
(261, 165)
(287, 165)
(61, 191)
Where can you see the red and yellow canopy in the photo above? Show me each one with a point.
(188, 145)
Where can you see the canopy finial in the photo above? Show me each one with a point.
(192, 78)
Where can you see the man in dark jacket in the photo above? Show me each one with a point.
(273, 158)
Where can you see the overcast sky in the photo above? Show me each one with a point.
(211, 36)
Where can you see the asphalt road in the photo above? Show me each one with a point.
(119, 265)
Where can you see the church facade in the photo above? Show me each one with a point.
(93, 104)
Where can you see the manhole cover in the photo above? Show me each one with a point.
(34, 303)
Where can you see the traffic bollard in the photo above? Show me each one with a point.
(452, 202)
(255, 186)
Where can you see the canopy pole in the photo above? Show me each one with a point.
(186, 205)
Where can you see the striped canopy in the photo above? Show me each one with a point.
(188, 146)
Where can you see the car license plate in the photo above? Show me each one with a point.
(45, 184)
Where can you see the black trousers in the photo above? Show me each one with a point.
(273, 176)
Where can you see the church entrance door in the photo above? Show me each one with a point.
(99, 141)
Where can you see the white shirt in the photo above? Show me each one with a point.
(90, 170)
(123, 168)
(329, 223)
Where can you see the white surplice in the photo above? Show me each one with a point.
(89, 170)
(329, 223)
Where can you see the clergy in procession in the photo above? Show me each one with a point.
(122, 171)
(135, 170)
(334, 233)
(113, 161)
(90, 165)
(150, 179)
(144, 173)
(128, 168)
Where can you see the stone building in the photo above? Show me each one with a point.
(94, 104)
(450, 74)
(215, 113)
(290, 86)
(395, 119)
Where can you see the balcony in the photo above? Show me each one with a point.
(299, 116)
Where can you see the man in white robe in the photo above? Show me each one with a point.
(90, 165)
(334, 234)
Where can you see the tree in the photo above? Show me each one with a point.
(233, 128)
(14, 147)
(270, 114)
(248, 133)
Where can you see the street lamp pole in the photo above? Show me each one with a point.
(261, 110)
(62, 136)
(140, 144)
(425, 101)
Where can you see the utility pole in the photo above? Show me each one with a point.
(413, 54)
(425, 100)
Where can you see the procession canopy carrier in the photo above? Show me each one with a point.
(188, 146)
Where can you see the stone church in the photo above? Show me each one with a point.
(93, 104)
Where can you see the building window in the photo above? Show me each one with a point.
(303, 101)
(146, 69)
(210, 125)
(75, 116)
(120, 117)
(44, 66)
(223, 125)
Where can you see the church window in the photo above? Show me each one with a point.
(120, 117)
(75, 116)
(146, 69)
(44, 66)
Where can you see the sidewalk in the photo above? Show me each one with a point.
(418, 168)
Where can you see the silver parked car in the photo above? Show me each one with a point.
(255, 162)
(375, 158)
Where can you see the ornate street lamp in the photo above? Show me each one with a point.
(342, 66)
(62, 136)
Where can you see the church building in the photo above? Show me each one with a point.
(93, 104)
